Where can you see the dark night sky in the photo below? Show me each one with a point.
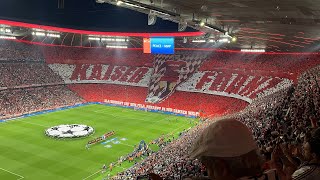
(81, 14)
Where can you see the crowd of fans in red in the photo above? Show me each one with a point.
(27, 84)
(16, 102)
(283, 120)
(72, 55)
(206, 104)
(15, 51)
(26, 74)
(274, 63)
(18, 75)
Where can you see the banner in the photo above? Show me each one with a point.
(169, 72)
(154, 108)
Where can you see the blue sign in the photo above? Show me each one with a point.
(162, 45)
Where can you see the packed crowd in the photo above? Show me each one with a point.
(233, 83)
(275, 63)
(16, 51)
(31, 86)
(170, 162)
(15, 102)
(73, 55)
(280, 123)
(288, 115)
(27, 74)
(207, 104)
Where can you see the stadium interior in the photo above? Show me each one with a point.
(254, 61)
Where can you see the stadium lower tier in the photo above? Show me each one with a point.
(15, 102)
(208, 105)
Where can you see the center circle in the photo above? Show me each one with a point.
(69, 131)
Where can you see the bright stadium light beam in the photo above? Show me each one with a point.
(234, 39)
(94, 38)
(133, 5)
(7, 37)
(53, 35)
(253, 50)
(8, 30)
(223, 40)
(198, 41)
(117, 46)
(39, 33)
(119, 3)
(163, 13)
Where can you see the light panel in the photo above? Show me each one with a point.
(53, 35)
(7, 37)
(253, 50)
(117, 46)
(94, 38)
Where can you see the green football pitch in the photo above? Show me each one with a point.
(27, 153)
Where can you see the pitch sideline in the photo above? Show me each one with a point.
(20, 177)
(92, 174)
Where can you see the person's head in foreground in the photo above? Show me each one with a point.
(311, 146)
(228, 151)
(311, 153)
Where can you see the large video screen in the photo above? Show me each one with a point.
(158, 45)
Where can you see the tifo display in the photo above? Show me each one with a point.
(275, 95)
(69, 131)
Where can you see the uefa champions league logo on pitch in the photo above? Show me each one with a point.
(69, 131)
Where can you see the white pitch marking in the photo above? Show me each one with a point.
(92, 174)
(20, 177)
(126, 144)
(120, 167)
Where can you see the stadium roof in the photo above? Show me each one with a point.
(277, 26)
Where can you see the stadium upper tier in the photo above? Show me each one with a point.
(130, 75)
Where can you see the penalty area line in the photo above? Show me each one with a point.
(126, 144)
(92, 174)
(20, 177)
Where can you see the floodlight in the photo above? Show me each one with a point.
(253, 50)
(119, 3)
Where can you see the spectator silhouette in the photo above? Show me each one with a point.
(229, 152)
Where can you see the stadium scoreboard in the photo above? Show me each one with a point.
(158, 45)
